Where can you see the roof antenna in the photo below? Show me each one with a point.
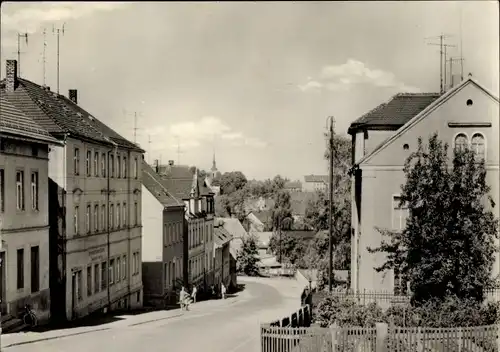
(442, 60)
(58, 32)
(19, 36)
(44, 57)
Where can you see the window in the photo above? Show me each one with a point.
(133, 263)
(166, 272)
(112, 165)
(118, 166)
(399, 214)
(104, 278)
(76, 162)
(136, 261)
(87, 219)
(103, 164)
(118, 216)
(124, 167)
(103, 217)
(76, 219)
(461, 142)
(96, 278)
(20, 268)
(124, 216)
(89, 281)
(118, 267)
(111, 272)
(79, 285)
(477, 145)
(96, 164)
(136, 214)
(96, 218)
(88, 163)
(20, 190)
(135, 168)
(111, 216)
(165, 235)
(34, 190)
(2, 190)
(35, 269)
(124, 267)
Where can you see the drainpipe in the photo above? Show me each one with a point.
(129, 203)
(108, 227)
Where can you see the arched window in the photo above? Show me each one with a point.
(477, 145)
(461, 142)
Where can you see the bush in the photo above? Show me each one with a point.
(453, 312)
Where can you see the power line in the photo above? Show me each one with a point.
(58, 32)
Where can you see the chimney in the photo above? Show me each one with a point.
(171, 162)
(10, 75)
(157, 166)
(73, 95)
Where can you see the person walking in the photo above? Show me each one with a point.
(184, 299)
(223, 291)
(193, 294)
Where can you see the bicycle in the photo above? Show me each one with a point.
(29, 317)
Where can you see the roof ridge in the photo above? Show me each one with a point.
(163, 187)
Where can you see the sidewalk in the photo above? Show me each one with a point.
(126, 320)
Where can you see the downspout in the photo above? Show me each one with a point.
(64, 232)
(129, 203)
(108, 191)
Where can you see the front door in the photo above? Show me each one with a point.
(3, 304)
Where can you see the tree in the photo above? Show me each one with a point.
(231, 182)
(247, 257)
(447, 247)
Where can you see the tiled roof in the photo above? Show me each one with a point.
(316, 178)
(221, 236)
(264, 216)
(59, 115)
(152, 181)
(396, 112)
(293, 184)
(14, 121)
(178, 179)
(234, 227)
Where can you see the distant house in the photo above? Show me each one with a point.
(293, 186)
(222, 255)
(466, 116)
(162, 240)
(234, 227)
(313, 183)
(254, 223)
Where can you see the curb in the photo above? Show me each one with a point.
(153, 320)
(53, 337)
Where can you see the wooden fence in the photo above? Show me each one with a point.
(379, 339)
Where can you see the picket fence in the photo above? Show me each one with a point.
(380, 339)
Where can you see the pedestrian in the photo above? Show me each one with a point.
(184, 299)
(193, 294)
(223, 291)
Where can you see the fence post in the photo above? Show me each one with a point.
(333, 332)
(382, 332)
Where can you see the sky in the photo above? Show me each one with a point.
(252, 81)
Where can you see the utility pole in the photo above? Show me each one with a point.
(442, 59)
(44, 57)
(19, 36)
(58, 32)
(330, 204)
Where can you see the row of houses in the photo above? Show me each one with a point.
(86, 225)
(466, 116)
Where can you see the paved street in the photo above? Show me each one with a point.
(219, 326)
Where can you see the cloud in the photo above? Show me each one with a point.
(343, 77)
(32, 17)
(192, 134)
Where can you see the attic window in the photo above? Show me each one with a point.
(406, 146)
(469, 102)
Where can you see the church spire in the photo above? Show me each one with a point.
(214, 165)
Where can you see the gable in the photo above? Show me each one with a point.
(448, 117)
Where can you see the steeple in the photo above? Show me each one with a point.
(214, 165)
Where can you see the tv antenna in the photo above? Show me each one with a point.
(442, 61)
(149, 148)
(19, 36)
(179, 152)
(136, 116)
(461, 52)
(43, 55)
(58, 32)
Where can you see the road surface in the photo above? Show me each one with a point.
(219, 326)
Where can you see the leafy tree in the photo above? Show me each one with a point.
(247, 257)
(447, 247)
(232, 181)
(292, 248)
(282, 211)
